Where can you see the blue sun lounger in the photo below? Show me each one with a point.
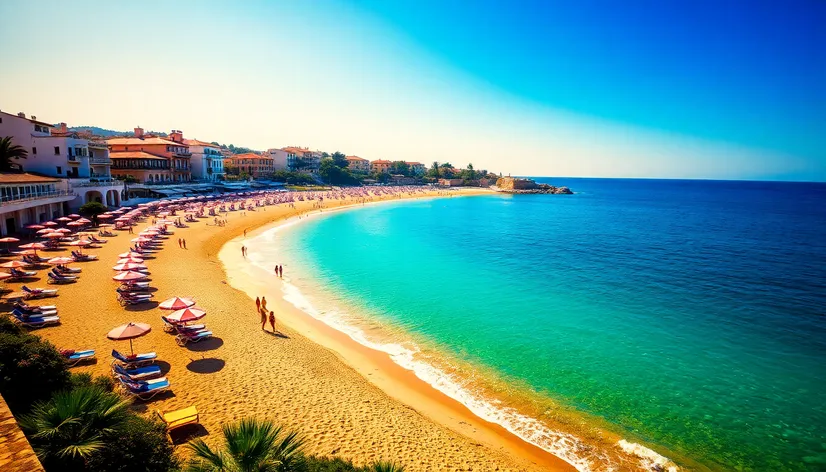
(36, 321)
(140, 373)
(137, 360)
(79, 356)
(145, 389)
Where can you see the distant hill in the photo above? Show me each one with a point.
(110, 132)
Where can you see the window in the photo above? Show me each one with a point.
(59, 170)
(57, 150)
(34, 150)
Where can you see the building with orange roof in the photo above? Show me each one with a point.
(256, 165)
(358, 164)
(207, 162)
(302, 159)
(279, 158)
(380, 166)
(157, 159)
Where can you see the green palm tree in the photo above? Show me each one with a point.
(66, 430)
(383, 466)
(250, 446)
(9, 151)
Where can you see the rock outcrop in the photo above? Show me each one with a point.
(522, 186)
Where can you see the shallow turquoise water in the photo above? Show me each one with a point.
(688, 314)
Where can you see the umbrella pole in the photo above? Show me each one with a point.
(131, 349)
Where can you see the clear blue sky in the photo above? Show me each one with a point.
(725, 89)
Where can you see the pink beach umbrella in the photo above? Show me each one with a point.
(64, 219)
(75, 223)
(14, 264)
(74, 215)
(129, 276)
(33, 246)
(63, 230)
(130, 254)
(129, 266)
(60, 260)
(35, 227)
(50, 223)
(45, 230)
(52, 235)
(104, 217)
(8, 240)
(127, 260)
(176, 303)
(186, 315)
(129, 331)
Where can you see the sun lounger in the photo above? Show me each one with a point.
(76, 357)
(60, 279)
(138, 373)
(178, 418)
(33, 293)
(68, 270)
(171, 327)
(27, 310)
(36, 321)
(184, 337)
(136, 360)
(144, 389)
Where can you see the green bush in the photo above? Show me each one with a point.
(31, 370)
(140, 445)
(330, 464)
(9, 327)
(85, 379)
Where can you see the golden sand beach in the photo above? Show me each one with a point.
(346, 399)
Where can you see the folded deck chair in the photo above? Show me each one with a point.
(138, 373)
(36, 321)
(178, 418)
(135, 360)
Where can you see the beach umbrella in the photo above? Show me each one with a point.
(63, 230)
(60, 260)
(176, 303)
(74, 215)
(136, 260)
(129, 276)
(45, 230)
(130, 253)
(33, 246)
(129, 331)
(52, 235)
(14, 264)
(186, 315)
(75, 223)
(50, 223)
(80, 242)
(64, 219)
(85, 221)
(4, 275)
(8, 240)
(35, 227)
(129, 266)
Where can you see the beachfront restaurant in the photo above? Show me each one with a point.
(28, 199)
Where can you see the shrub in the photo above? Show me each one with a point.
(330, 464)
(10, 327)
(31, 370)
(139, 445)
(85, 379)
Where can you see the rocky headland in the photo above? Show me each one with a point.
(527, 186)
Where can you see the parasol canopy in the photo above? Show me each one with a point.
(176, 303)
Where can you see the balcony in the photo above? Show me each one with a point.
(75, 160)
(105, 161)
(124, 166)
(36, 196)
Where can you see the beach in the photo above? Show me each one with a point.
(346, 399)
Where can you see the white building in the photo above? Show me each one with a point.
(302, 159)
(207, 161)
(28, 199)
(58, 152)
(279, 159)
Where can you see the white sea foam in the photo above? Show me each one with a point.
(565, 446)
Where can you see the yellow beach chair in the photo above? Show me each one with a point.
(178, 418)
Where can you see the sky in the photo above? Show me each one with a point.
(704, 89)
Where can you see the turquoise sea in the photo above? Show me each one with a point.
(687, 316)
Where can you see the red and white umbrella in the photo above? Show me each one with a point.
(45, 230)
(176, 303)
(35, 227)
(186, 315)
(60, 260)
(104, 217)
(74, 215)
(129, 331)
(130, 259)
(14, 264)
(129, 276)
(63, 230)
(50, 223)
(75, 223)
(33, 246)
(64, 219)
(129, 266)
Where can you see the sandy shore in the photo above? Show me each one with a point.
(348, 400)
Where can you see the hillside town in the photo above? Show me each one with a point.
(49, 170)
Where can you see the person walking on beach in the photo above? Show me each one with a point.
(281, 271)
(257, 304)
(184, 242)
(263, 319)
(245, 232)
(180, 246)
(264, 304)
(272, 321)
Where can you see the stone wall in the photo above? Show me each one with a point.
(16, 455)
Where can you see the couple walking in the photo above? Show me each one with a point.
(261, 305)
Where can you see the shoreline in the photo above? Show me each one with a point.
(242, 372)
(374, 365)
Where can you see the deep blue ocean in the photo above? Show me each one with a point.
(689, 316)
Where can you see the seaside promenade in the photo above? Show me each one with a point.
(290, 379)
